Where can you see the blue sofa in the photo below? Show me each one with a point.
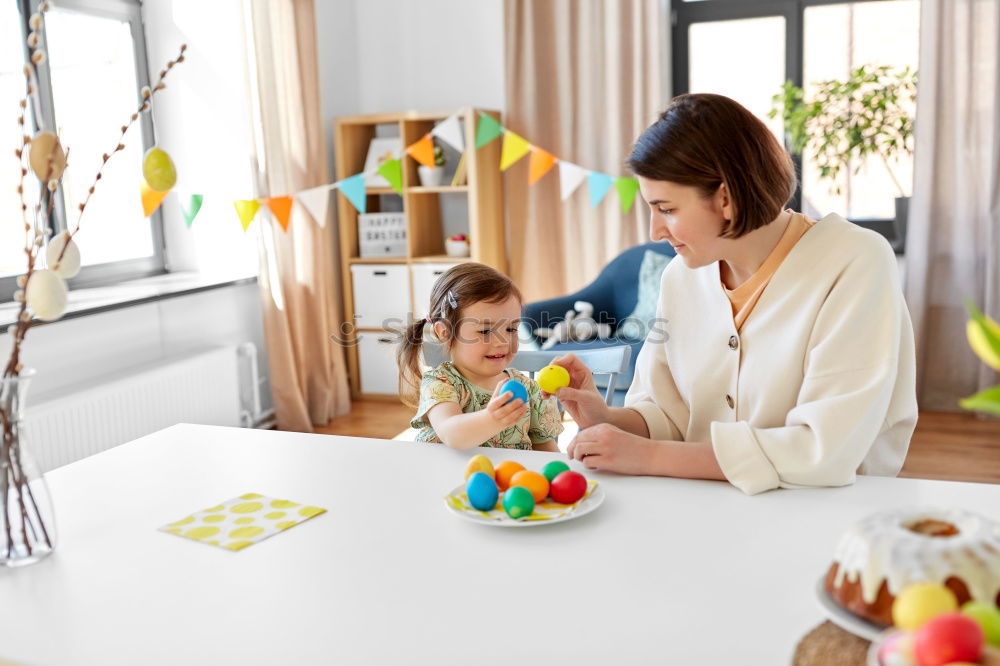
(614, 294)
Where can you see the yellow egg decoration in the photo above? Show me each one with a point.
(69, 265)
(46, 294)
(47, 157)
(921, 602)
(479, 463)
(551, 378)
(158, 169)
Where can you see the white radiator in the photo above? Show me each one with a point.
(199, 388)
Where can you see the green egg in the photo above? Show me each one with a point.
(554, 469)
(518, 502)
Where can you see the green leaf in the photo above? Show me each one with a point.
(987, 330)
(984, 401)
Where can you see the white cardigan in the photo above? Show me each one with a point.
(819, 384)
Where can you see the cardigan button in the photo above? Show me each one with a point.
(729, 401)
(734, 342)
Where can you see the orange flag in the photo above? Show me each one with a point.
(151, 199)
(541, 162)
(423, 151)
(281, 208)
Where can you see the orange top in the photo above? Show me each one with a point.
(744, 297)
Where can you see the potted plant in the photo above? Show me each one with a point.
(457, 246)
(432, 176)
(869, 113)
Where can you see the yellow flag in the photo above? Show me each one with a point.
(151, 199)
(246, 209)
(514, 148)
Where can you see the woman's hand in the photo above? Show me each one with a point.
(608, 448)
(581, 398)
(505, 415)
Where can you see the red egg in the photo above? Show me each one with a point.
(568, 487)
(948, 638)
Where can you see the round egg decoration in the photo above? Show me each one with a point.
(482, 491)
(551, 378)
(158, 169)
(516, 389)
(479, 463)
(518, 502)
(568, 487)
(554, 468)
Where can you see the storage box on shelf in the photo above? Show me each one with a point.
(381, 292)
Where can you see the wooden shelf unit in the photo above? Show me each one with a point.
(422, 205)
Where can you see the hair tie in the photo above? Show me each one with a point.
(451, 300)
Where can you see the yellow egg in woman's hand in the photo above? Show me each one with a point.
(158, 169)
(551, 378)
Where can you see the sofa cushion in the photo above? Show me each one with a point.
(637, 324)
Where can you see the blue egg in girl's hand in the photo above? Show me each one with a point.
(482, 491)
(516, 388)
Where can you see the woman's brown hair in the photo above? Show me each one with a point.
(705, 140)
(458, 288)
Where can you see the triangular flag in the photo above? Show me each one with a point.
(151, 199)
(599, 184)
(450, 131)
(570, 177)
(541, 162)
(514, 148)
(281, 208)
(354, 189)
(317, 202)
(487, 130)
(423, 151)
(392, 171)
(246, 209)
(627, 187)
(193, 208)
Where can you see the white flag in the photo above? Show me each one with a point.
(450, 131)
(317, 201)
(570, 177)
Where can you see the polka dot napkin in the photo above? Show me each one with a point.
(242, 521)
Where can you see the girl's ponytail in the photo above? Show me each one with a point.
(408, 360)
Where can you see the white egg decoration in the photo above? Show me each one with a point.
(69, 265)
(46, 294)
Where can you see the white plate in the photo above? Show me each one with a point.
(501, 519)
(845, 619)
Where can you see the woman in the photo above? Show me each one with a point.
(782, 354)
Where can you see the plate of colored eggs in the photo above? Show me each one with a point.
(509, 495)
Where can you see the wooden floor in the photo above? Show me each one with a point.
(956, 447)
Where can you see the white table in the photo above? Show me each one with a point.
(665, 571)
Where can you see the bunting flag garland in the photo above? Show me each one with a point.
(450, 131)
(422, 151)
(392, 171)
(570, 177)
(192, 210)
(598, 184)
(514, 148)
(281, 208)
(354, 189)
(541, 162)
(151, 199)
(487, 130)
(316, 201)
(246, 209)
(627, 188)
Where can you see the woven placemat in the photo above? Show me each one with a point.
(829, 645)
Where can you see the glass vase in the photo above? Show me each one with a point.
(27, 526)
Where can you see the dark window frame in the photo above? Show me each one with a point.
(684, 14)
(110, 273)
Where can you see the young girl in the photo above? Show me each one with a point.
(474, 312)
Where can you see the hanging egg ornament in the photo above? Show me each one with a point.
(47, 157)
(69, 265)
(158, 169)
(46, 294)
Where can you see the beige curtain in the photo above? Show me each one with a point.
(583, 79)
(953, 243)
(298, 268)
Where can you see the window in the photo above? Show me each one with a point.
(799, 40)
(90, 85)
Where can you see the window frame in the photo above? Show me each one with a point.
(96, 275)
(684, 14)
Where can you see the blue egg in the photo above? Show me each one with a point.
(482, 491)
(516, 388)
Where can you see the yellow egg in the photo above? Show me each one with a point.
(158, 169)
(551, 378)
(479, 463)
(921, 602)
(46, 294)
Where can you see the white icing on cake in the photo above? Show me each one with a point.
(882, 548)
